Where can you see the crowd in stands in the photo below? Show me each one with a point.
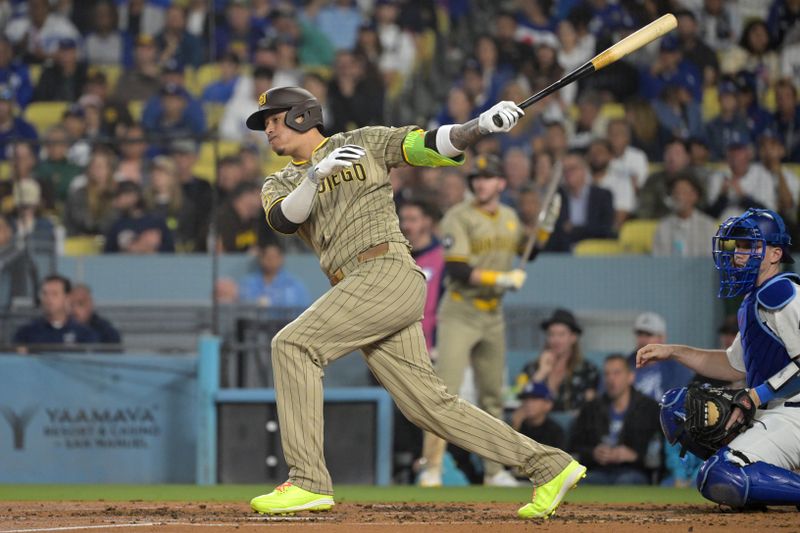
(698, 125)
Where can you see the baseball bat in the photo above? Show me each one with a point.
(549, 193)
(615, 52)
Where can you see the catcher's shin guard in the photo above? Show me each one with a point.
(729, 478)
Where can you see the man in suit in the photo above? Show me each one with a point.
(587, 211)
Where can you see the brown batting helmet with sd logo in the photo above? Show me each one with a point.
(303, 111)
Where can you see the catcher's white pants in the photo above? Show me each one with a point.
(774, 437)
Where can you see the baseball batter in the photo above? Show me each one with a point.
(758, 467)
(335, 194)
(481, 239)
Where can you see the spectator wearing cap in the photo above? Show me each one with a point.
(83, 311)
(612, 433)
(694, 49)
(654, 381)
(670, 68)
(55, 326)
(220, 91)
(12, 127)
(37, 34)
(720, 24)
(141, 80)
(741, 184)
(729, 123)
(787, 118)
(686, 231)
(63, 80)
(196, 190)
(114, 114)
(164, 198)
(14, 74)
(609, 177)
(758, 118)
(754, 53)
(787, 184)
(232, 126)
(105, 44)
(587, 210)
(240, 221)
(238, 32)
(561, 367)
(531, 418)
(28, 223)
(175, 116)
(174, 42)
(89, 208)
(55, 171)
(173, 76)
(136, 229)
(133, 163)
(74, 121)
(338, 21)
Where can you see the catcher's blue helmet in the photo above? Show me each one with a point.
(750, 233)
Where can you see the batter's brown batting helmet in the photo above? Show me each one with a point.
(297, 103)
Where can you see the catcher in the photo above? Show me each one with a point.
(750, 438)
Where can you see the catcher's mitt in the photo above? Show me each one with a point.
(708, 410)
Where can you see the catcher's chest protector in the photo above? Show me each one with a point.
(764, 353)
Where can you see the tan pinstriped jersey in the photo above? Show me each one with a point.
(354, 209)
(482, 240)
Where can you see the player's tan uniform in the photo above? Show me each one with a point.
(470, 325)
(375, 305)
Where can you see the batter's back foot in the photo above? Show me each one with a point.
(289, 499)
(548, 497)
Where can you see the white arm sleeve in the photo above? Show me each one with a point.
(736, 354)
(297, 205)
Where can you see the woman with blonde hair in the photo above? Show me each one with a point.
(164, 198)
(89, 210)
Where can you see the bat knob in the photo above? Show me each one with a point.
(497, 121)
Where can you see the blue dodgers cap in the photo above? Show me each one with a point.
(738, 139)
(770, 133)
(172, 66)
(670, 43)
(173, 89)
(67, 43)
(535, 390)
(727, 87)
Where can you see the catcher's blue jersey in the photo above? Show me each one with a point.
(764, 352)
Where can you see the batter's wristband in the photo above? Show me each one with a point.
(488, 277)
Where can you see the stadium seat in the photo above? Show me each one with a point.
(5, 170)
(710, 105)
(83, 245)
(35, 72)
(590, 247)
(636, 236)
(612, 110)
(205, 166)
(43, 115)
(135, 108)
(213, 114)
(205, 75)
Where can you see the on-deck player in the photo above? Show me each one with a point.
(335, 194)
(757, 466)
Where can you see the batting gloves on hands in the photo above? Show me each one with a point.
(338, 159)
(508, 112)
(513, 279)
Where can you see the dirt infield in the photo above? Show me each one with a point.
(366, 518)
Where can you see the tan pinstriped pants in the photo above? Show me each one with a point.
(377, 308)
(467, 336)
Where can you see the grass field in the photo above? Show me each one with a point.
(364, 494)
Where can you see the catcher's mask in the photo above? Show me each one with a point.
(673, 419)
(751, 233)
(303, 110)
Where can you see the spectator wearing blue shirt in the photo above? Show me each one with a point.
(220, 91)
(653, 381)
(670, 68)
(339, 22)
(136, 231)
(239, 31)
(173, 115)
(177, 43)
(678, 114)
(173, 75)
(55, 326)
(14, 74)
(729, 123)
(272, 286)
(11, 127)
(758, 119)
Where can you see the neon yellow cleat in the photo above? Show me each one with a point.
(288, 499)
(547, 498)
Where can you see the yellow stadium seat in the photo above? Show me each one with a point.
(769, 99)
(190, 77)
(135, 108)
(205, 167)
(5, 170)
(612, 110)
(205, 75)
(83, 245)
(43, 115)
(213, 114)
(594, 247)
(710, 105)
(35, 72)
(636, 236)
